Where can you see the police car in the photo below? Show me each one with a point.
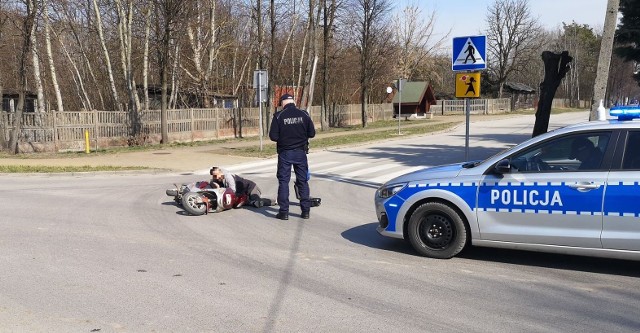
(574, 190)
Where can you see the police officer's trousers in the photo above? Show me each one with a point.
(298, 159)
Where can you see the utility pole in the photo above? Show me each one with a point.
(604, 59)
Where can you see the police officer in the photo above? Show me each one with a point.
(291, 129)
(583, 150)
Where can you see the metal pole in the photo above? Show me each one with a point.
(399, 105)
(260, 108)
(466, 137)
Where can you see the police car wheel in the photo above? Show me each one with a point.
(437, 230)
(193, 204)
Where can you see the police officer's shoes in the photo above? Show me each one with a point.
(282, 216)
(305, 215)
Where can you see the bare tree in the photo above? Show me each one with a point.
(583, 44)
(201, 33)
(35, 61)
(107, 57)
(512, 39)
(169, 17)
(3, 20)
(414, 33)
(125, 34)
(145, 56)
(52, 66)
(27, 28)
(371, 26)
(79, 34)
(76, 74)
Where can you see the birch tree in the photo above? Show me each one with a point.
(201, 33)
(52, 66)
(76, 75)
(124, 12)
(107, 57)
(145, 56)
(73, 42)
(35, 62)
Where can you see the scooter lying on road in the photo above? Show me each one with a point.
(315, 202)
(200, 198)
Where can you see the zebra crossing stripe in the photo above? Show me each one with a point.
(238, 167)
(314, 166)
(367, 170)
(388, 176)
(336, 168)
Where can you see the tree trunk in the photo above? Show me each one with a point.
(604, 59)
(325, 66)
(29, 21)
(556, 66)
(37, 78)
(52, 67)
(125, 19)
(271, 105)
(145, 57)
(77, 77)
(81, 42)
(112, 83)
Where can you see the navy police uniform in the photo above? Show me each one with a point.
(291, 128)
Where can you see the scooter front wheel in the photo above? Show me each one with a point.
(193, 203)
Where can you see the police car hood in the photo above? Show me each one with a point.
(437, 172)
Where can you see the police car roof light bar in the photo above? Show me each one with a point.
(625, 112)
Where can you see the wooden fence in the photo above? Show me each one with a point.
(476, 106)
(65, 131)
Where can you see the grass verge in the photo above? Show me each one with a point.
(349, 139)
(61, 169)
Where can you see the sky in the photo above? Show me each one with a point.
(467, 17)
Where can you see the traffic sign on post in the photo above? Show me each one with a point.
(469, 53)
(467, 85)
(261, 84)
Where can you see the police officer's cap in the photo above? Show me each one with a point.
(285, 97)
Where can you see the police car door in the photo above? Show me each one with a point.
(621, 226)
(545, 198)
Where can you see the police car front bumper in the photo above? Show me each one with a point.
(386, 227)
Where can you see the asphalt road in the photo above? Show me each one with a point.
(112, 253)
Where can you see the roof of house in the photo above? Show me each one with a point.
(519, 87)
(412, 93)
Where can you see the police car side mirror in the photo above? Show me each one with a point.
(504, 166)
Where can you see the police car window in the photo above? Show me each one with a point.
(631, 159)
(568, 153)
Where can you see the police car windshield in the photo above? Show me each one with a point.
(476, 163)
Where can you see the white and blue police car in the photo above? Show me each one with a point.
(574, 190)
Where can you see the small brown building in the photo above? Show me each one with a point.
(417, 98)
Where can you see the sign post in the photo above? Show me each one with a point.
(469, 54)
(401, 83)
(260, 83)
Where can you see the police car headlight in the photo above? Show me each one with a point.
(390, 190)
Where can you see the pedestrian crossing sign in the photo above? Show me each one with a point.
(469, 53)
